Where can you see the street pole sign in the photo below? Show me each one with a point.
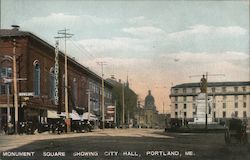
(26, 94)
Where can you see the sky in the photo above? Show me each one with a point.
(156, 44)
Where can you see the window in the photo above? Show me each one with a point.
(193, 90)
(176, 106)
(37, 80)
(185, 98)
(214, 114)
(224, 89)
(74, 90)
(213, 89)
(235, 89)
(224, 105)
(52, 83)
(236, 104)
(184, 90)
(3, 89)
(244, 89)
(244, 114)
(235, 98)
(194, 106)
(194, 113)
(236, 113)
(175, 90)
(193, 98)
(176, 114)
(244, 97)
(185, 114)
(5, 72)
(244, 104)
(224, 114)
(224, 97)
(176, 99)
(185, 106)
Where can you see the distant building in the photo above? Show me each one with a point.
(130, 101)
(228, 98)
(148, 115)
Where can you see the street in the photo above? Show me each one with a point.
(122, 144)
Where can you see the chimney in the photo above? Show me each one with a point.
(15, 27)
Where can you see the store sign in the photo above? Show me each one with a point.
(111, 109)
(56, 71)
(26, 94)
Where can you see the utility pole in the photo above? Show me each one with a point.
(206, 94)
(103, 110)
(123, 107)
(115, 115)
(15, 86)
(66, 35)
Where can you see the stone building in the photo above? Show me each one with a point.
(227, 98)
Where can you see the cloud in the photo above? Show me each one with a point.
(53, 19)
(140, 20)
(205, 30)
(235, 65)
(115, 45)
(57, 20)
(121, 62)
(144, 31)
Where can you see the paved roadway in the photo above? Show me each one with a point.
(122, 144)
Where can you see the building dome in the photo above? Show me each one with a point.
(149, 100)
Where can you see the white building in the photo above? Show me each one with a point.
(227, 98)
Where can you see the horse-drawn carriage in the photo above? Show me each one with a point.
(236, 129)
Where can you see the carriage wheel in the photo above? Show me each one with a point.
(227, 137)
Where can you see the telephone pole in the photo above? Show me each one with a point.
(64, 34)
(103, 118)
(15, 86)
(123, 107)
(206, 94)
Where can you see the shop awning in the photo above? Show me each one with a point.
(91, 116)
(52, 114)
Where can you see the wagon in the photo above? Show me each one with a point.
(236, 129)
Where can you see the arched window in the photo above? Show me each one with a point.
(37, 78)
(52, 83)
(75, 91)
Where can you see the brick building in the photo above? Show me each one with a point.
(35, 62)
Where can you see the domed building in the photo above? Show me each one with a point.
(150, 102)
(150, 112)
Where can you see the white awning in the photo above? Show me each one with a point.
(52, 114)
(91, 116)
(74, 115)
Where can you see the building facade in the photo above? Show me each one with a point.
(147, 115)
(36, 63)
(228, 99)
